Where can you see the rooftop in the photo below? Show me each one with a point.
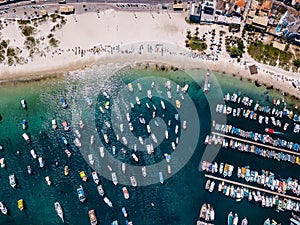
(267, 4)
(240, 3)
(261, 20)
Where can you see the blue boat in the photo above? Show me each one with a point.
(64, 140)
(64, 103)
(247, 176)
(80, 194)
(24, 124)
(124, 212)
(161, 178)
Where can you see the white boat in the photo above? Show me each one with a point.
(235, 219)
(41, 162)
(32, 152)
(29, 171)
(141, 140)
(176, 129)
(162, 104)
(128, 117)
(26, 137)
(54, 124)
(244, 221)
(100, 190)
(130, 126)
(77, 142)
(81, 124)
(169, 168)
(91, 159)
(130, 88)
(153, 138)
(167, 134)
(3, 208)
(137, 100)
(105, 138)
(12, 180)
(134, 157)
(124, 140)
(124, 212)
(2, 163)
(69, 154)
(139, 86)
(147, 105)
(173, 145)
(123, 167)
(149, 94)
(133, 181)
(148, 128)
(77, 133)
(184, 124)
(168, 157)
(95, 177)
(144, 171)
(169, 94)
(24, 104)
(59, 211)
(212, 186)
(185, 88)
(154, 107)
(102, 152)
(114, 178)
(212, 214)
(161, 178)
(92, 140)
(125, 193)
(47, 178)
(108, 202)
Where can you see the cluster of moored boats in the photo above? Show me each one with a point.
(207, 215)
(263, 114)
(233, 219)
(267, 179)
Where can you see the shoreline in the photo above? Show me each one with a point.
(155, 40)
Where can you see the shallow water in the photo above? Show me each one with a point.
(177, 201)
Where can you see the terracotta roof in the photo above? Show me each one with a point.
(266, 5)
(240, 3)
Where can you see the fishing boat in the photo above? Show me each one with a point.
(185, 88)
(207, 184)
(95, 177)
(162, 104)
(24, 104)
(108, 202)
(149, 94)
(124, 212)
(24, 124)
(153, 138)
(230, 219)
(65, 125)
(77, 142)
(77, 133)
(176, 129)
(66, 170)
(144, 171)
(244, 221)
(115, 222)
(270, 130)
(64, 140)
(178, 104)
(26, 137)
(93, 218)
(130, 126)
(123, 168)
(161, 178)
(100, 190)
(134, 157)
(235, 219)
(47, 178)
(21, 204)
(91, 159)
(130, 88)
(59, 211)
(81, 124)
(133, 181)
(137, 100)
(54, 124)
(32, 152)
(41, 162)
(114, 178)
(167, 134)
(125, 193)
(29, 171)
(80, 193)
(3, 208)
(267, 222)
(68, 153)
(83, 176)
(202, 211)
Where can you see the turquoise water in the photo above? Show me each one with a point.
(177, 201)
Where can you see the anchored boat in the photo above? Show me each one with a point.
(59, 211)
(93, 218)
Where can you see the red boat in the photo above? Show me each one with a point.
(269, 130)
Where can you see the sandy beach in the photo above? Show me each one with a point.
(112, 36)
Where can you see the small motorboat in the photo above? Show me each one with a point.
(91, 159)
(124, 212)
(29, 171)
(144, 171)
(92, 216)
(47, 178)
(26, 137)
(66, 170)
(69, 154)
(83, 176)
(95, 177)
(24, 104)
(21, 204)
(54, 124)
(41, 162)
(64, 103)
(24, 124)
(3, 208)
(125, 193)
(12, 180)
(80, 193)
(108, 202)
(100, 190)
(59, 211)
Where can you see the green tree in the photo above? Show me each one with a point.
(297, 63)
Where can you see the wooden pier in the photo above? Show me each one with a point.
(258, 144)
(252, 187)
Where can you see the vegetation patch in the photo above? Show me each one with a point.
(27, 30)
(53, 42)
(268, 54)
(194, 42)
(234, 46)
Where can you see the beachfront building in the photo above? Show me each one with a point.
(178, 7)
(195, 12)
(258, 16)
(66, 9)
(207, 12)
(291, 28)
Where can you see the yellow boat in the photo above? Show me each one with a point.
(83, 176)
(20, 204)
(66, 170)
(297, 159)
(178, 104)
